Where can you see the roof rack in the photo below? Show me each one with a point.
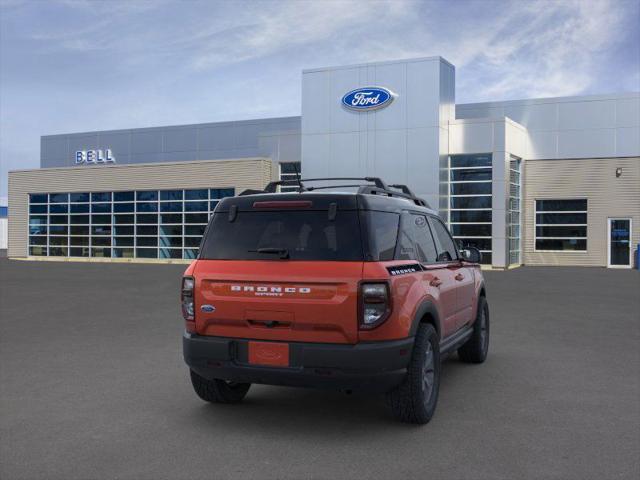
(405, 192)
(374, 186)
(272, 186)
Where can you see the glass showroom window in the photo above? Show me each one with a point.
(513, 216)
(561, 225)
(124, 224)
(289, 173)
(470, 201)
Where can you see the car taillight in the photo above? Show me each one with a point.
(375, 304)
(187, 298)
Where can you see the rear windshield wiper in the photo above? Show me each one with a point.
(283, 252)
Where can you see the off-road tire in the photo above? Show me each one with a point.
(476, 348)
(410, 402)
(218, 391)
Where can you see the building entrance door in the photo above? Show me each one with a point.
(619, 244)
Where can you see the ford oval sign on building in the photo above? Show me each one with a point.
(368, 98)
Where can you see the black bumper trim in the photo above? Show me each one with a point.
(372, 366)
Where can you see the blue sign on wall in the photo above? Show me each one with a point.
(368, 98)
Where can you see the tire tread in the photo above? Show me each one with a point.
(405, 401)
(472, 351)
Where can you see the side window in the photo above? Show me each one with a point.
(444, 243)
(406, 246)
(416, 242)
(383, 233)
(424, 241)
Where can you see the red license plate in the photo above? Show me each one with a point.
(269, 353)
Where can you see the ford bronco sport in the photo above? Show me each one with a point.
(360, 290)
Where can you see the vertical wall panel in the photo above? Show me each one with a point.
(3, 233)
(570, 127)
(385, 142)
(265, 138)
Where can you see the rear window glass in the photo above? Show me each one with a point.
(304, 235)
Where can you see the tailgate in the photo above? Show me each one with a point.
(299, 301)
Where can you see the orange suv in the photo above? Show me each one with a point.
(361, 290)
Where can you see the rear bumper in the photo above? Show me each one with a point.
(374, 366)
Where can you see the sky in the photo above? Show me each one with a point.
(73, 66)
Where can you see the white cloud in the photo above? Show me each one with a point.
(536, 48)
(260, 31)
(546, 49)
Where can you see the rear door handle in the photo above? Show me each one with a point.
(459, 277)
(435, 282)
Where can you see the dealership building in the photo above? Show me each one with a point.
(547, 181)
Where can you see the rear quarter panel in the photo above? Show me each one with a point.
(408, 292)
(190, 269)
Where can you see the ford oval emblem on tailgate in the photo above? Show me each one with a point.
(208, 308)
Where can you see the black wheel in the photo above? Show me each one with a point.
(415, 399)
(218, 391)
(476, 348)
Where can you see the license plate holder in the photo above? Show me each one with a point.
(272, 354)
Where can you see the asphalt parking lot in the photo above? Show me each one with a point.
(92, 385)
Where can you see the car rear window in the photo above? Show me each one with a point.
(304, 235)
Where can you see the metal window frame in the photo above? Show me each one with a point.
(451, 196)
(509, 224)
(187, 253)
(536, 225)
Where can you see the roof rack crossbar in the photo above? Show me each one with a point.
(371, 190)
(272, 186)
(375, 186)
(324, 187)
(375, 180)
(403, 188)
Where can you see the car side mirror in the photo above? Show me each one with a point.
(471, 254)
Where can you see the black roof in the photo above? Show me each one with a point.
(322, 201)
(372, 194)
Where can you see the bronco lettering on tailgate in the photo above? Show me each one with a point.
(269, 291)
